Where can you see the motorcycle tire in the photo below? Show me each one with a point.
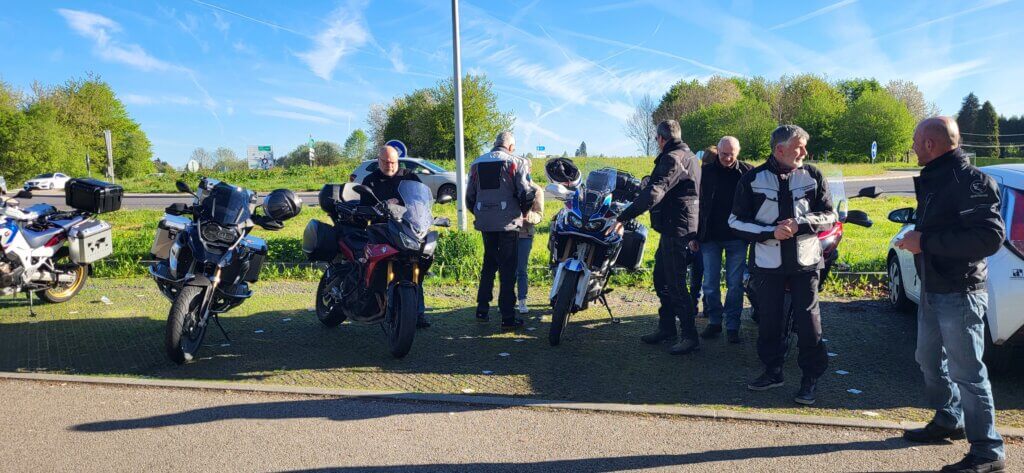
(563, 306)
(400, 324)
(64, 293)
(329, 316)
(183, 335)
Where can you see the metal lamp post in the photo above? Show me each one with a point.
(460, 158)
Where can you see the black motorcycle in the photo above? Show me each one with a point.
(205, 265)
(377, 255)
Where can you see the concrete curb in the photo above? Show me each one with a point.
(495, 401)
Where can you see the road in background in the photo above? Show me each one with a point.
(82, 427)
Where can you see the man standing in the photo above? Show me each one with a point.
(384, 182)
(779, 207)
(957, 226)
(714, 236)
(671, 196)
(499, 195)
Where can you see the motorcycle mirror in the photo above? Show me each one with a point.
(859, 217)
(182, 187)
(442, 222)
(869, 192)
(902, 216)
(445, 198)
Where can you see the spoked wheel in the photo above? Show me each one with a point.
(563, 306)
(328, 309)
(63, 292)
(400, 322)
(184, 334)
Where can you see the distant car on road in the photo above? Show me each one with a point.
(3, 185)
(440, 180)
(51, 181)
(1005, 319)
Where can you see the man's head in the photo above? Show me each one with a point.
(667, 131)
(934, 137)
(387, 161)
(728, 151)
(506, 140)
(789, 145)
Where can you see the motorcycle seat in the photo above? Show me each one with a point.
(37, 239)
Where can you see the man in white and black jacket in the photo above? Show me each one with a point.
(780, 207)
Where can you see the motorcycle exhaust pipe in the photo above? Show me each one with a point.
(49, 277)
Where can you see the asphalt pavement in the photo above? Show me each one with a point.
(85, 427)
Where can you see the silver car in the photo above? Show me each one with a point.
(440, 180)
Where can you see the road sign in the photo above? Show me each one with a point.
(263, 148)
(874, 150)
(540, 148)
(192, 165)
(398, 145)
(260, 156)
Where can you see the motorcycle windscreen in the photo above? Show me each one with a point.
(226, 205)
(837, 190)
(417, 201)
(599, 185)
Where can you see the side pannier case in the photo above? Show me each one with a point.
(90, 241)
(633, 243)
(93, 196)
(320, 241)
(166, 231)
(257, 247)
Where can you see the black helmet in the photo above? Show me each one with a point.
(562, 171)
(282, 204)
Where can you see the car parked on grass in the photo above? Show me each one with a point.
(440, 180)
(50, 181)
(1005, 318)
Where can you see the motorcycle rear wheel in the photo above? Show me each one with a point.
(183, 335)
(400, 324)
(65, 292)
(563, 306)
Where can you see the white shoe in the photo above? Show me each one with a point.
(522, 307)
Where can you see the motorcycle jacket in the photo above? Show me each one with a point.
(499, 192)
(671, 192)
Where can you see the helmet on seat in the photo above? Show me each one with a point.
(282, 204)
(562, 171)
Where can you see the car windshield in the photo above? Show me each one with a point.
(226, 205)
(431, 166)
(417, 199)
(43, 176)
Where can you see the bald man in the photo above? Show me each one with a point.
(385, 179)
(958, 225)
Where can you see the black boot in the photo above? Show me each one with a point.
(658, 337)
(422, 321)
(711, 331)
(932, 433)
(805, 395)
(768, 380)
(733, 336)
(685, 346)
(976, 464)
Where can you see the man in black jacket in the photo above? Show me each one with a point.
(779, 207)
(671, 196)
(718, 181)
(957, 226)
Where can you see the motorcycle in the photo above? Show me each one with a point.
(584, 251)
(377, 254)
(47, 253)
(204, 265)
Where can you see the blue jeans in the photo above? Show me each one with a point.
(522, 266)
(735, 266)
(950, 343)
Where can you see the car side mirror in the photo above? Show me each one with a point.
(902, 216)
(23, 194)
(182, 187)
(445, 198)
(859, 217)
(869, 192)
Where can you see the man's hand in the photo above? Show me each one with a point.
(393, 200)
(786, 229)
(615, 228)
(911, 242)
(694, 245)
(791, 224)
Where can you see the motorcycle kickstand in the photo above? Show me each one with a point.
(216, 319)
(31, 307)
(604, 300)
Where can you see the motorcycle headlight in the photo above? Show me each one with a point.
(595, 225)
(409, 242)
(575, 221)
(214, 233)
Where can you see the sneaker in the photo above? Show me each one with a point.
(658, 337)
(711, 331)
(512, 324)
(733, 336)
(522, 307)
(932, 433)
(766, 381)
(976, 464)
(805, 395)
(685, 347)
(422, 321)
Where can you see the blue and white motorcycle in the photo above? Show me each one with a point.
(584, 250)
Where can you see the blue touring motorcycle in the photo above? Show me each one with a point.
(584, 251)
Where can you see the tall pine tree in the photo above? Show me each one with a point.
(987, 131)
(967, 119)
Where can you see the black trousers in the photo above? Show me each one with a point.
(670, 263)
(774, 321)
(500, 256)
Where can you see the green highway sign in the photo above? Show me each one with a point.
(263, 148)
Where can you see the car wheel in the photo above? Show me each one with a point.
(897, 293)
(447, 189)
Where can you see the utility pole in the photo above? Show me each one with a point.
(312, 153)
(88, 164)
(110, 154)
(460, 158)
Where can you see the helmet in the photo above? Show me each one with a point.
(282, 204)
(562, 171)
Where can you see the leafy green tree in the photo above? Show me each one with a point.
(749, 120)
(355, 145)
(817, 110)
(226, 160)
(907, 92)
(874, 116)
(686, 97)
(967, 118)
(852, 89)
(203, 157)
(325, 153)
(163, 166)
(581, 152)
(986, 131)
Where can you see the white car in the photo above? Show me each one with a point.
(440, 180)
(1005, 318)
(51, 181)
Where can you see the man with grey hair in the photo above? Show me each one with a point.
(671, 196)
(499, 195)
(780, 207)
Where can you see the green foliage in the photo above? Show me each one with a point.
(987, 126)
(356, 145)
(749, 120)
(852, 89)
(817, 111)
(1012, 129)
(874, 116)
(325, 153)
(967, 118)
(227, 160)
(685, 97)
(581, 152)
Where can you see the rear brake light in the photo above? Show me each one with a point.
(1016, 234)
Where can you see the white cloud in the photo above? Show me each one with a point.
(395, 56)
(346, 31)
(295, 116)
(220, 23)
(620, 110)
(815, 13)
(138, 99)
(312, 106)
(100, 29)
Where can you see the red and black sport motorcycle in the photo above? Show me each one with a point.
(377, 254)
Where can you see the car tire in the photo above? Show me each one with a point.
(447, 189)
(897, 293)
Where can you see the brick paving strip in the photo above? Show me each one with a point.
(598, 364)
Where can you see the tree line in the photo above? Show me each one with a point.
(986, 133)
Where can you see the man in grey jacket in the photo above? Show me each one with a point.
(499, 195)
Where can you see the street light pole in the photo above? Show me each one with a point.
(460, 158)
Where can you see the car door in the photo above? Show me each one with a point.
(911, 281)
(428, 177)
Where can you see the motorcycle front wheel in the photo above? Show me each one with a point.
(563, 306)
(184, 334)
(328, 310)
(400, 323)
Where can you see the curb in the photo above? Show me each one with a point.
(495, 401)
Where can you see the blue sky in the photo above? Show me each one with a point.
(231, 73)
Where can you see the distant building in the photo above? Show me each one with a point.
(260, 157)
